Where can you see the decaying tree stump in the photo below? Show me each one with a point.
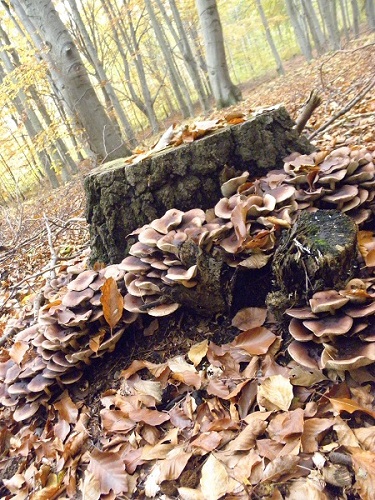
(122, 197)
(317, 253)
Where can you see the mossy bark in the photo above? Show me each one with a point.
(122, 197)
(317, 253)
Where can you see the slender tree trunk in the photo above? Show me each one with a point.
(224, 91)
(101, 73)
(299, 31)
(355, 15)
(370, 14)
(175, 80)
(328, 10)
(183, 45)
(72, 79)
(344, 20)
(271, 43)
(314, 26)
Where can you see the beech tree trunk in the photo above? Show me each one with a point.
(314, 26)
(101, 73)
(302, 38)
(224, 91)
(72, 80)
(271, 43)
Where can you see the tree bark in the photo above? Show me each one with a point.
(355, 14)
(314, 26)
(330, 20)
(370, 14)
(173, 74)
(102, 74)
(271, 43)
(301, 37)
(72, 79)
(224, 91)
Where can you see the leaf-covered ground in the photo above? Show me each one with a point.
(184, 407)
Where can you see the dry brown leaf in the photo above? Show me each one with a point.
(214, 480)
(249, 317)
(109, 469)
(208, 441)
(275, 393)
(197, 352)
(350, 406)
(151, 417)
(18, 351)
(366, 437)
(364, 468)
(67, 409)
(310, 488)
(149, 388)
(112, 302)
(255, 341)
(246, 439)
(174, 464)
(116, 421)
(281, 466)
(312, 433)
(91, 487)
(190, 494)
(96, 341)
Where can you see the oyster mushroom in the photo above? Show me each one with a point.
(327, 301)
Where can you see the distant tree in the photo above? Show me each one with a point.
(72, 80)
(271, 43)
(370, 14)
(299, 30)
(329, 16)
(314, 26)
(223, 89)
(355, 11)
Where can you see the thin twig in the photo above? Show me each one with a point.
(344, 110)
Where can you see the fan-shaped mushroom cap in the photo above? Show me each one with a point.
(141, 250)
(329, 325)
(132, 303)
(180, 274)
(172, 241)
(192, 218)
(348, 357)
(149, 236)
(171, 219)
(74, 299)
(327, 301)
(342, 195)
(360, 311)
(134, 264)
(225, 206)
(305, 353)
(281, 193)
(230, 187)
(301, 313)
(39, 383)
(82, 281)
(25, 411)
(163, 310)
(299, 332)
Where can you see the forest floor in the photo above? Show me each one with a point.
(80, 449)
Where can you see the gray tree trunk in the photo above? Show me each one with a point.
(271, 43)
(328, 9)
(183, 45)
(224, 91)
(299, 31)
(344, 20)
(355, 14)
(370, 14)
(101, 73)
(71, 78)
(314, 26)
(173, 73)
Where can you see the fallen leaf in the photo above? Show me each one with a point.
(197, 352)
(350, 406)
(249, 317)
(112, 302)
(364, 468)
(255, 341)
(275, 393)
(109, 470)
(214, 480)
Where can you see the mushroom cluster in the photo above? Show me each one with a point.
(337, 330)
(70, 331)
(242, 228)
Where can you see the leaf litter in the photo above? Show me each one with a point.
(195, 410)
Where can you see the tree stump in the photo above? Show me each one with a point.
(122, 197)
(319, 252)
